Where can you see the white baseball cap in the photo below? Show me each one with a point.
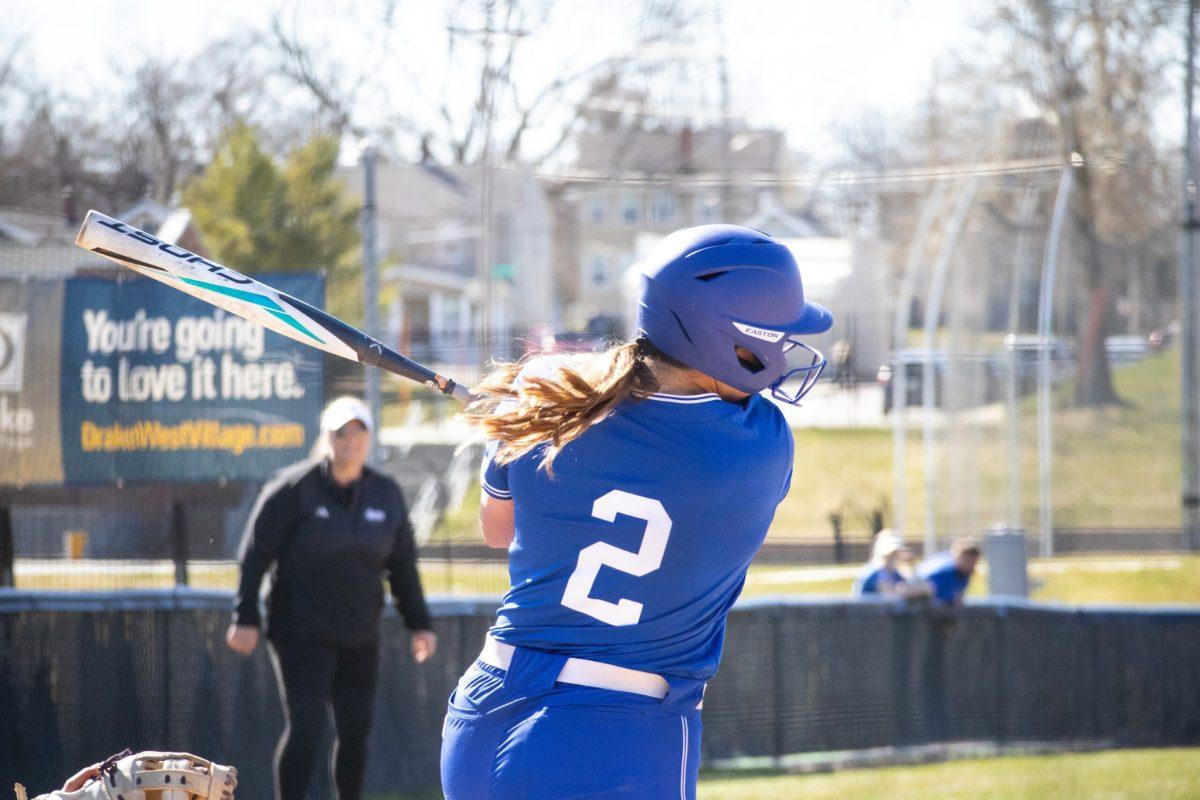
(345, 409)
(887, 541)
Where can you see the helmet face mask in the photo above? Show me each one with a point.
(798, 381)
(709, 290)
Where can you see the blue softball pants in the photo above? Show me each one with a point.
(517, 734)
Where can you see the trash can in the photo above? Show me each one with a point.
(1004, 549)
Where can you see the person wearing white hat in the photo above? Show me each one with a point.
(882, 574)
(327, 529)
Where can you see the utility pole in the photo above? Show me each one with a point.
(726, 124)
(1189, 293)
(486, 202)
(485, 269)
(371, 291)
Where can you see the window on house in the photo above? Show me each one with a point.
(631, 208)
(597, 207)
(502, 252)
(666, 206)
(599, 271)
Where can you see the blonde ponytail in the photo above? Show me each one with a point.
(524, 411)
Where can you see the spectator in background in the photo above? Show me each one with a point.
(842, 355)
(328, 530)
(948, 574)
(885, 573)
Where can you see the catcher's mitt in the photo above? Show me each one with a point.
(149, 775)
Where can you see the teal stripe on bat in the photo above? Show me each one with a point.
(240, 294)
(290, 320)
(257, 299)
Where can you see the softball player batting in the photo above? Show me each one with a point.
(632, 488)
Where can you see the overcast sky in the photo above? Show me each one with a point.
(799, 65)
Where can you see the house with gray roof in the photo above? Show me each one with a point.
(433, 288)
(42, 246)
(631, 182)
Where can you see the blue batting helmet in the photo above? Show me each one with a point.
(709, 289)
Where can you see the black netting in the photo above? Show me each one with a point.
(82, 676)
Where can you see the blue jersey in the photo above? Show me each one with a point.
(949, 585)
(634, 550)
(874, 578)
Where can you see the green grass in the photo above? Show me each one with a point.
(1116, 466)
(846, 471)
(1099, 455)
(1170, 579)
(1119, 775)
(1134, 579)
(1121, 466)
(461, 524)
(1171, 774)
(1131, 579)
(834, 588)
(437, 577)
(488, 578)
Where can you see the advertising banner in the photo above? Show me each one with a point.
(30, 343)
(158, 386)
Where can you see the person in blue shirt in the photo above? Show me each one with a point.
(632, 488)
(948, 574)
(882, 575)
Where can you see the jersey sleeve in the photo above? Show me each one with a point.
(868, 583)
(787, 485)
(276, 514)
(493, 477)
(791, 460)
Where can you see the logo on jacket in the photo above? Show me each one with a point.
(322, 512)
(374, 515)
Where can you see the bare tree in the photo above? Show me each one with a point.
(867, 145)
(47, 152)
(10, 50)
(32, 136)
(144, 129)
(175, 112)
(158, 140)
(297, 62)
(490, 44)
(1093, 69)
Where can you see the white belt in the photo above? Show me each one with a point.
(583, 672)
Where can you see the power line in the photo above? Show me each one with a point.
(703, 179)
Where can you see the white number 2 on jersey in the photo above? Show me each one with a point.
(647, 559)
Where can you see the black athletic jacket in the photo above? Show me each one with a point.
(327, 548)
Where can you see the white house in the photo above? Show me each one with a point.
(432, 285)
(841, 274)
(630, 182)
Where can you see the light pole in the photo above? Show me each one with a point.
(484, 259)
(1188, 291)
(370, 263)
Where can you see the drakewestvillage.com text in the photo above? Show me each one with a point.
(193, 434)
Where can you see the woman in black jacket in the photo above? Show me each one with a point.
(327, 529)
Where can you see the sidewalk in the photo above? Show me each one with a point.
(830, 406)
